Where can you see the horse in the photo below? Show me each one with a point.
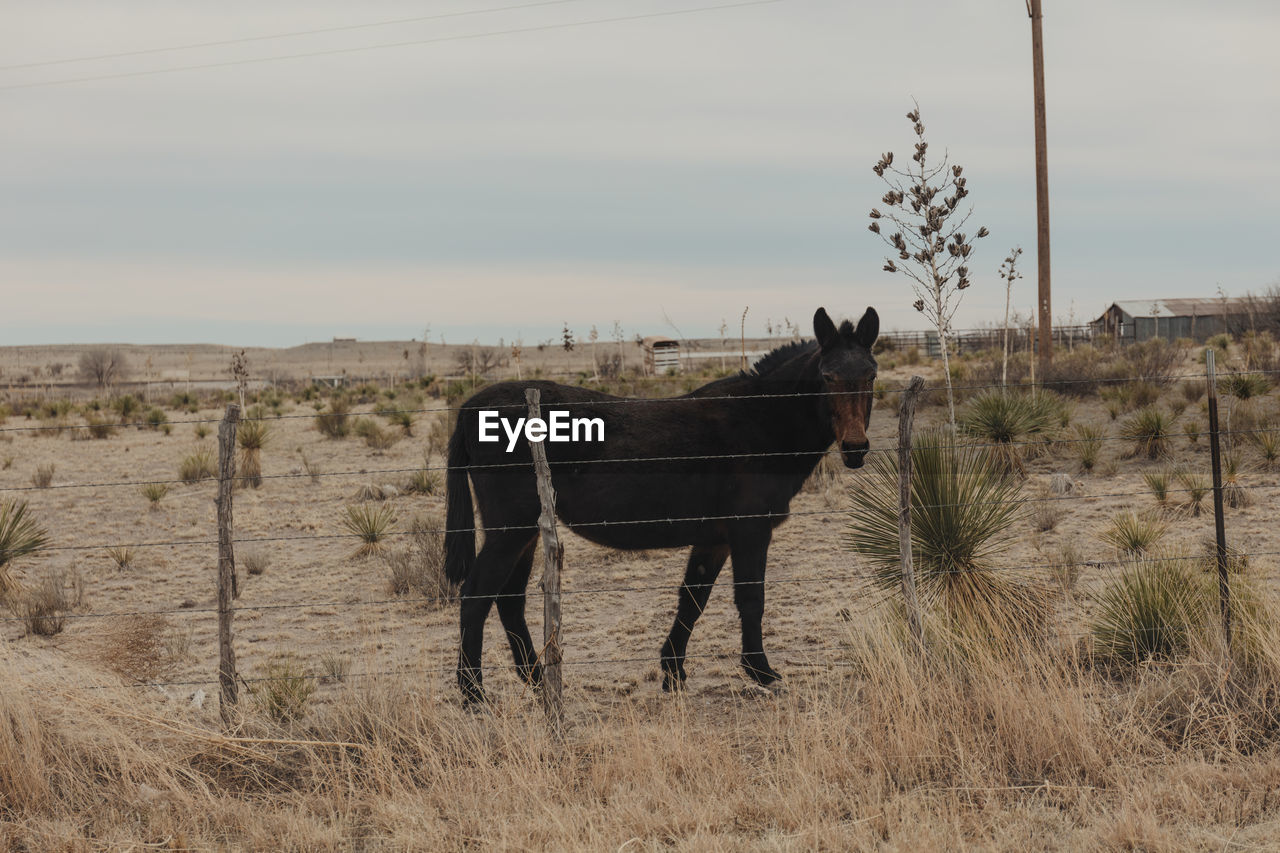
(713, 470)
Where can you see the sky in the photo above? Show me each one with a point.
(498, 168)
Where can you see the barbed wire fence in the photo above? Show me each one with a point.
(228, 678)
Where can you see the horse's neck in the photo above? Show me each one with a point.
(790, 396)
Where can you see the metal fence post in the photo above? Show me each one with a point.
(1219, 523)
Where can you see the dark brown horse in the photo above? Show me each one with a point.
(715, 469)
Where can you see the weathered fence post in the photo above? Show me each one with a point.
(553, 553)
(228, 586)
(1219, 523)
(906, 414)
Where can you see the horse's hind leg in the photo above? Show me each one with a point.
(750, 546)
(511, 610)
(699, 576)
(488, 577)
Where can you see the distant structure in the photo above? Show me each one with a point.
(661, 355)
(1135, 320)
(344, 340)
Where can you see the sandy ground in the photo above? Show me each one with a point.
(611, 637)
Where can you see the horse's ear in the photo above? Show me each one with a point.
(868, 328)
(825, 330)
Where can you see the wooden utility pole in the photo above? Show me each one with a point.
(1042, 186)
(228, 589)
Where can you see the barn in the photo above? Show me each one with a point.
(1135, 320)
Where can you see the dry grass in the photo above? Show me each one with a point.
(893, 751)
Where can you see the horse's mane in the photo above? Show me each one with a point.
(779, 356)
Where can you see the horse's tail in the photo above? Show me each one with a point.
(460, 535)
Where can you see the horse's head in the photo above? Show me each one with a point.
(848, 372)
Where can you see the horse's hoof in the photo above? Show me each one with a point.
(672, 682)
(759, 671)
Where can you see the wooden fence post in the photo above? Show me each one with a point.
(228, 586)
(553, 554)
(906, 414)
(1219, 522)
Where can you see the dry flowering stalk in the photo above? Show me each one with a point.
(926, 218)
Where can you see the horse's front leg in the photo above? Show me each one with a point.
(750, 550)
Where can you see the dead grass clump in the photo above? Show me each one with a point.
(418, 566)
(43, 607)
(197, 466)
(140, 648)
(335, 423)
(283, 689)
(154, 493)
(122, 556)
(1134, 534)
(43, 476)
(255, 560)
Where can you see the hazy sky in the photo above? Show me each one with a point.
(688, 163)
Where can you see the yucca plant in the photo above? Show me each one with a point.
(20, 535)
(402, 419)
(1194, 486)
(252, 436)
(197, 466)
(964, 509)
(371, 524)
(122, 556)
(1088, 443)
(1149, 612)
(155, 492)
(1244, 386)
(1158, 482)
(1134, 534)
(1234, 493)
(424, 481)
(1150, 431)
(1006, 420)
(283, 689)
(1268, 442)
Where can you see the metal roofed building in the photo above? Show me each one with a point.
(1134, 320)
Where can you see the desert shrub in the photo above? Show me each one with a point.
(1155, 360)
(1134, 534)
(283, 689)
(1194, 486)
(375, 437)
(43, 476)
(254, 560)
(1007, 420)
(252, 436)
(1076, 373)
(335, 423)
(402, 419)
(418, 566)
(20, 535)
(1088, 444)
(43, 608)
(156, 418)
(1150, 431)
(126, 406)
(370, 524)
(185, 401)
(1066, 566)
(155, 492)
(122, 556)
(202, 430)
(1141, 394)
(99, 427)
(1244, 386)
(336, 667)
(1193, 390)
(964, 509)
(313, 469)
(197, 466)
(1043, 513)
(1148, 612)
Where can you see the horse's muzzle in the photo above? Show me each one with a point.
(854, 455)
